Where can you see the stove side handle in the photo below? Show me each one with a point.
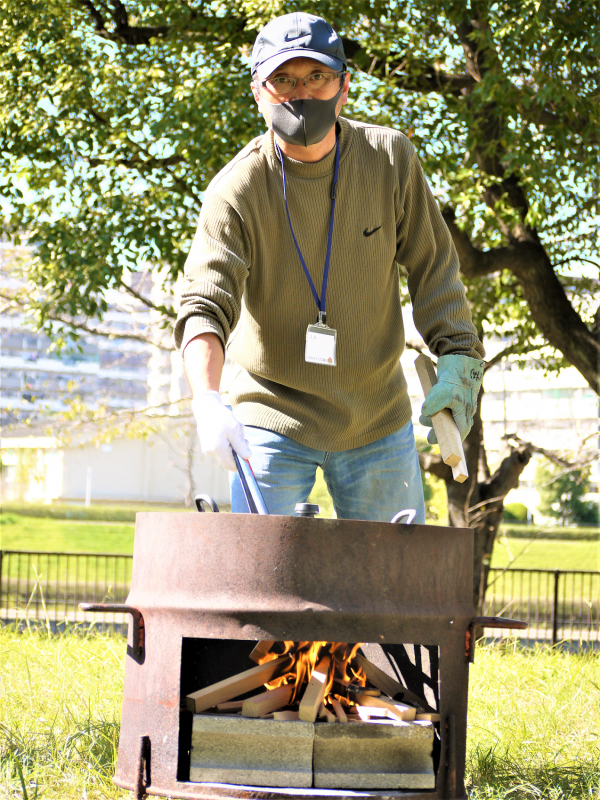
(136, 650)
(487, 622)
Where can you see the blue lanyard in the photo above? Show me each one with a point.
(320, 302)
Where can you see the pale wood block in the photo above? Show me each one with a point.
(229, 688)
(426, 716)
(325, 713)
(232, 705)
(286, 716)
(398, 710)
(261, 649)
(339, 711)
(444, 426)
(315, 691)
(266, 702)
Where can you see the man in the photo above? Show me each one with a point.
(297, 249)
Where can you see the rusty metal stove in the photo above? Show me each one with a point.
(204, 585)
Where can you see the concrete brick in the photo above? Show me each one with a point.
(251, 752)
(373, 756)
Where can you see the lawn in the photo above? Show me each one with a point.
(85, 536)
(59, 535)
(546, 554)
(533, 720)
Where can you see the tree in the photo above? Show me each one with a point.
(115, 115)
(562, 492)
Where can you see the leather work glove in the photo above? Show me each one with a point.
(459, 380)
(218, 430)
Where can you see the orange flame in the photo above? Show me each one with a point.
(306, 656)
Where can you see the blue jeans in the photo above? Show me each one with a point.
(372, 482)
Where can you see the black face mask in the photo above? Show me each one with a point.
(304, 122)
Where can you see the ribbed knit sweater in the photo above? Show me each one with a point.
(245, 283)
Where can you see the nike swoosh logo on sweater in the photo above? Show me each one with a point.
(367, 232)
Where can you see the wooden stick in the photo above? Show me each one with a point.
(223, 691)
(233, 705)
(261, 649)
(387, 684)
(315, 691)
(264, 703)
(286, 716)
(427, 716)
(339, 711)
(398, 710)
(443, 424)
(325, 712)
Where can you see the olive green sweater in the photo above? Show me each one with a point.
(244, 282)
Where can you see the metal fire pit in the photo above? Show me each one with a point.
(209, 581)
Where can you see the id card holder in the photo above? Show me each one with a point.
(321, 343)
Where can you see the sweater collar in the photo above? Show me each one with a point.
(317, 169)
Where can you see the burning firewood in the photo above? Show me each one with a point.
(264, 703)
(387, 684)
(315, 691)
(232, 687)
(262, 648)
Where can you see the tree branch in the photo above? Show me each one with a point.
(123, 32)
(106, 333)
(432, 462)
(166, 310)
(509, 351)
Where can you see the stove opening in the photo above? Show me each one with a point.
(309, 714)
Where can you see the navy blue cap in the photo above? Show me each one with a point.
(296, 35)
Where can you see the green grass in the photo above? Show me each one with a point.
(56, 535)
(533, 720)
(60, 701)
(534, 724)
(546, 554)
(515, 530)
(101, 512)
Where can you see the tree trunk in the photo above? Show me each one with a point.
(478, 503)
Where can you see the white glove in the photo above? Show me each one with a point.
(218, 430)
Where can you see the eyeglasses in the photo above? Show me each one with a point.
(318, 84)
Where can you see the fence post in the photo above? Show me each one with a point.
(555, 608)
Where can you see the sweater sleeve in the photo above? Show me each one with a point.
(215, 272)
(425, 248)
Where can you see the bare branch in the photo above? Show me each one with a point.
(583, 459)
(509, 351)
(166, 310)
(576, 258)
(419, 346)
(106, 333)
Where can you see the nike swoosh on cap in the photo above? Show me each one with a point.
(289, 37)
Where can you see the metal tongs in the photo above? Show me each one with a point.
(252, 493)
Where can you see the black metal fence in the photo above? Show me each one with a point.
(49, 586)
(558, 605)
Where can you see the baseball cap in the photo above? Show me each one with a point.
(296, 35)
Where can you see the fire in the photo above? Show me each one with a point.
(341, 671)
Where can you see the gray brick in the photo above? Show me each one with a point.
(374, 756)
(253, 752)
